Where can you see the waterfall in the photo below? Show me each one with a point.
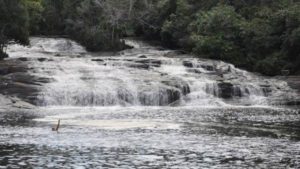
(142, 76)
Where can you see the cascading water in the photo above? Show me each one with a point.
(145, 107)
(151, 79)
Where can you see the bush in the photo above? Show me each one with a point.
(3, 55)
(216, 34)
(271, 65)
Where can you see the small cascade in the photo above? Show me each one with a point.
(142, 76)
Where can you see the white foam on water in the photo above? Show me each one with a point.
(78, 80)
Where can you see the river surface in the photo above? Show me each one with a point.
(145, 107)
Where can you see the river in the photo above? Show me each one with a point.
(145, 107)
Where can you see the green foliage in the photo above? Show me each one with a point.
(53, 20)
(216, 33)
(259, 35)
(271, 65)
(174, 30)
(95, 24)
(13, 23)
(35, 10)
(150, 25)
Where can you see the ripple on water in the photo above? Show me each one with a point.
(142, 138)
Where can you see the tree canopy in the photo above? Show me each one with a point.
(259, 35)
(13, 23)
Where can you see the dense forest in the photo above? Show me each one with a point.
(258, 35)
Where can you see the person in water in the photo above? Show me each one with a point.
(57, 126)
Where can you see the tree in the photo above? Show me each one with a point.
(35, 10)
(216, 34)
(13, 23)
(53, 21)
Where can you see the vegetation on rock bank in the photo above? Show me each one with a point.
(259, 35)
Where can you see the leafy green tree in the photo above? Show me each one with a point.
(174, 30)
(216, 34)
(35, 10)
(53, 21)
(13, 23)
(97, 24)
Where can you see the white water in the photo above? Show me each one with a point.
(77, 80)
(107, 121)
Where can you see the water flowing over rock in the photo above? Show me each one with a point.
(143, 75)
(145, 107)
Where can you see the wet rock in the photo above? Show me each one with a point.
(97, 60)
(142, 56)
(138, 65)
(22, 85)
(173, 96)
(188, 64)
(150, 62)
(208, 67)
(42, 59)
(23, 91)
(113, 59)
(226, 90)
(80, 55)
(267, 91)
(26, 78)
(179, 84)
(125, 95)
(258, 160)
(23, 59)
(194, 71)
(292, 102)
(22, 104)
(164, 97)
(10, 66)
(265, 85)
(174, 53)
